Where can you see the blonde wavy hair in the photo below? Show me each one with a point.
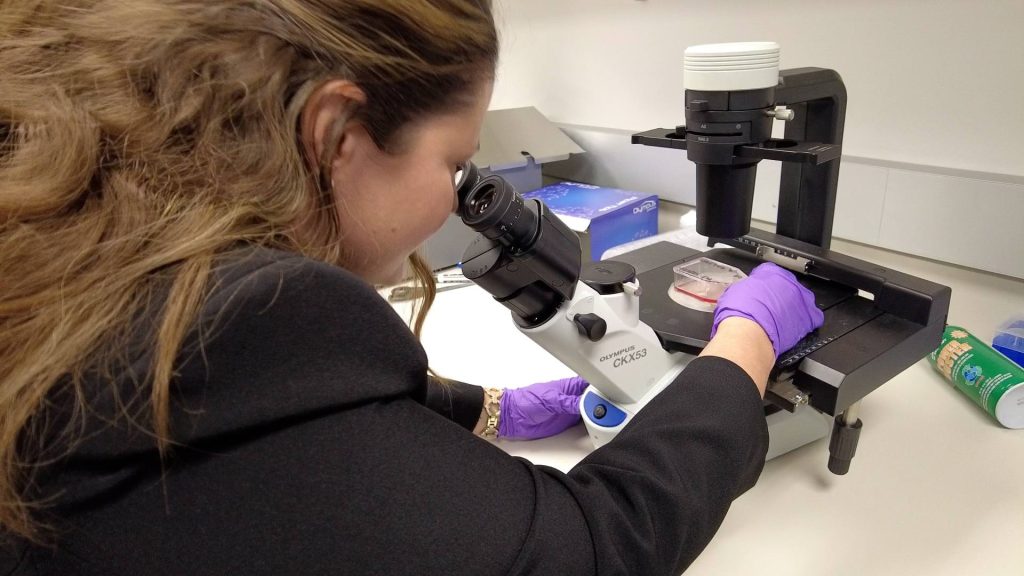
(139, 139)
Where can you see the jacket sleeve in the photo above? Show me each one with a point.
(654, 496)
(457, 401)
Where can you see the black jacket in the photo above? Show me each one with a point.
(304, 447)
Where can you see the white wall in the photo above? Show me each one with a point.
(934, 82)
(936, 90)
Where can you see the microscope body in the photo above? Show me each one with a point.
(598, 333)
(734, 93)
(585, 315)
(589, 316)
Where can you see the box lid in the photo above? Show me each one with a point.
(579, 204)
(510, 136)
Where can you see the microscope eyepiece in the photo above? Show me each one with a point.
(466, 178)
(494, 209)
(479, 203)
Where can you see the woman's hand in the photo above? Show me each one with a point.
(760, 317)
(771, 297)
(540, 410)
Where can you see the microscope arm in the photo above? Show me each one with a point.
(600, 336)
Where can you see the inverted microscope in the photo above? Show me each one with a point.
(619, 324)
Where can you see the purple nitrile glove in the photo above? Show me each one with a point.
(772, 297)
(540, 410)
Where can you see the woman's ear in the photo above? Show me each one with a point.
(325, 118)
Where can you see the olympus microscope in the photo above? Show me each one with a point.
(615, 322)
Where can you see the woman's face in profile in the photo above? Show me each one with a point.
(389, 203)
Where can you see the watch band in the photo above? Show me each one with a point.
(492, 406)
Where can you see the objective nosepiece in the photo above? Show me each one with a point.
(732, 66)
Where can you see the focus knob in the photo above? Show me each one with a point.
(590, 325)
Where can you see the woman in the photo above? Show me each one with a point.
(196, 374)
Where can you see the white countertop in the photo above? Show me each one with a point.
(936, 487)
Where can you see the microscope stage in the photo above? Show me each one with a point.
(859, 347)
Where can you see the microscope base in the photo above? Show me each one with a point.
(789, 431)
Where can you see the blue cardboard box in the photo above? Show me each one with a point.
(603, 217)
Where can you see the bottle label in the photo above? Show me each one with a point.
(975, 368)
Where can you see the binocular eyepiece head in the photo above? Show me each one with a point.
(525, 256)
